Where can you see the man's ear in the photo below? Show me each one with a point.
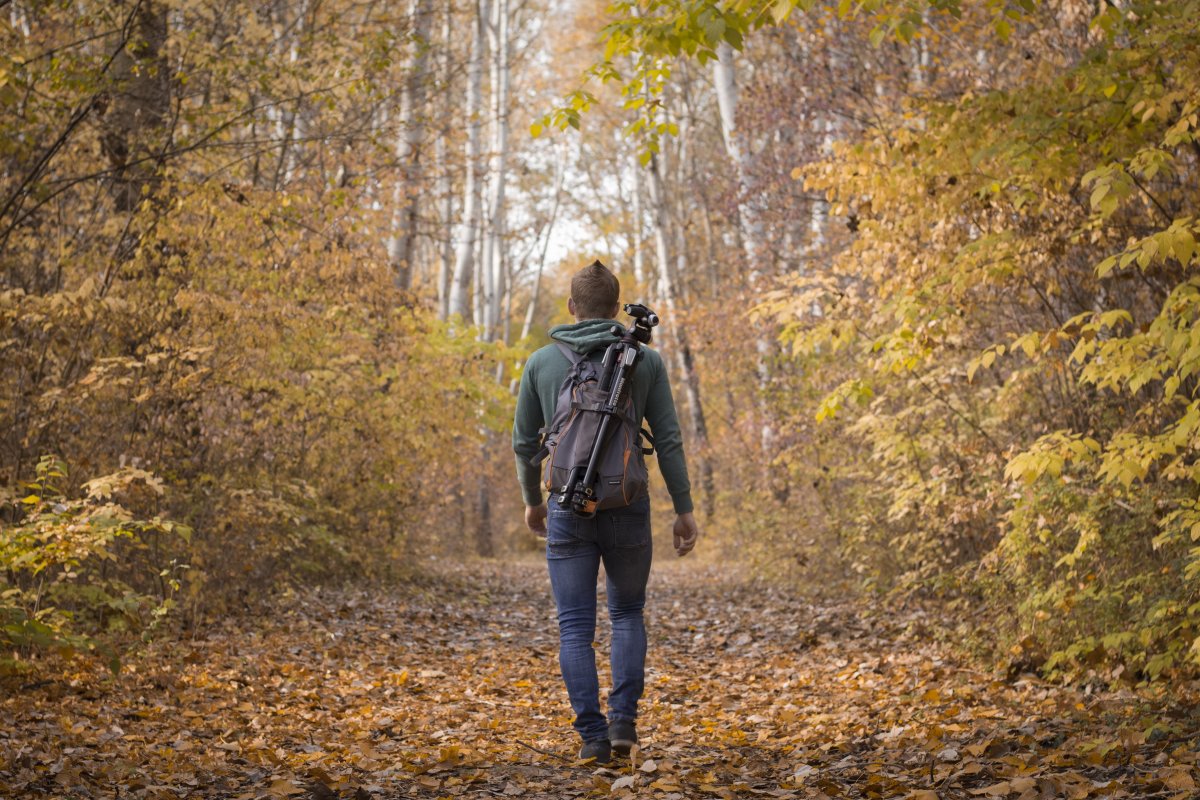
(571, 306)
(615, 312)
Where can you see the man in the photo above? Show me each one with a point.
(619, 537)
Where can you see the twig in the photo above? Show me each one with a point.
(543, 752)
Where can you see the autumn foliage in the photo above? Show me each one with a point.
(212, 383)
(268, 277)
(925, 272)
(1010, 329)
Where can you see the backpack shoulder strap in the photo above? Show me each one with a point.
(571, 355)
(548, 431)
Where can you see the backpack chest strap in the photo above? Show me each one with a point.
(598, 407)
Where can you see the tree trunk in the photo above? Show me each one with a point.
(494, 263)
(135, 120)
(639, 257)
(288, 126)
(535, 293)
(484, 542)
(410, 132)
(445, 222)
(751, 227)
(444, 184)
(559, 176)
(667, 292)
(460, 284)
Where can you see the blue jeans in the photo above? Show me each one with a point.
(575, 546)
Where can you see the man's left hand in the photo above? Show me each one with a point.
(685, 532)
(535, 519)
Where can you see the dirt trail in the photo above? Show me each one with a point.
(452, 690)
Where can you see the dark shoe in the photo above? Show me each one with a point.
(599, 751)
(622, 735)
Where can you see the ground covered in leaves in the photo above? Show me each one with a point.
(452, 690)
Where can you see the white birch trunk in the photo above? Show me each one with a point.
(494, 262)
(559, 178)
(535, 294)
(19, 19)
(667, 290)
(502, 89)
(409, 133)
(639, 240)
(444, 180)
(725, 82)
(484, 277)
(287, 119)
(445, 226)
(464, 260)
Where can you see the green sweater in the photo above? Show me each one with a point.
(651, 394)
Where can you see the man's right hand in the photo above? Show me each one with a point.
(686, 533)
(535, 519)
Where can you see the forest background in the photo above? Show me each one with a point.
(270, 271)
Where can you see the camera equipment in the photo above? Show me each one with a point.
(643, 320)
(619, 362)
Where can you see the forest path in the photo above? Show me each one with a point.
(452, 690)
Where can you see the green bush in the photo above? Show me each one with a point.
(58, 556)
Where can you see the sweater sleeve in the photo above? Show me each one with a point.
(526, 439)
(668, 440)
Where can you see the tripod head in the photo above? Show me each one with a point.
(643, 321)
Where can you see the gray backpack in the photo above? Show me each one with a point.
(567, 443)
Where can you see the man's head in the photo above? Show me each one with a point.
(595, 293)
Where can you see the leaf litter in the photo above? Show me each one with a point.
(452, 690)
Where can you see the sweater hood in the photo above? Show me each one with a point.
(586, 335)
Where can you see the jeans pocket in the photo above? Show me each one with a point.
(631, 525)
(562, 534)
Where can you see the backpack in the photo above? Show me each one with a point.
(567, 443)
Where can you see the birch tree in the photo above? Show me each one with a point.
(441, 154)
(464, 259)
(750, 229)
(636, 235)
(289, 123)
(494, 262)
(667, 291)
(410, 131)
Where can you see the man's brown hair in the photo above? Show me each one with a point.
(596, 292)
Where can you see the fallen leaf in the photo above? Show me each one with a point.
(621, 783)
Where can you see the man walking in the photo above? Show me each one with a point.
(620, 537)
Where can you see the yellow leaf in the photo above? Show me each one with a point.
(284, 787)
(1179, 778)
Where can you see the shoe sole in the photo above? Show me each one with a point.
(622, 746)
